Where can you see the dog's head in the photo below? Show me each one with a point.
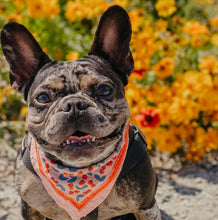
(77, 110)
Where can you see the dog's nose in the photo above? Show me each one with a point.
(81, 106)
(77, 106)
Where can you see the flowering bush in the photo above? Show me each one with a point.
(172, 92)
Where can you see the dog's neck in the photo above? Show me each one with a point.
(84, 163)
(95, 160)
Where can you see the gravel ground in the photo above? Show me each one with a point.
(185, 192)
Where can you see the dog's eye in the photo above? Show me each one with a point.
(43, 98)
(105, 91)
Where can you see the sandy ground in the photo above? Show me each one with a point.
(189, 192)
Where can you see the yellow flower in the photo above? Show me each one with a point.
(144, 47)
(150, 134)
(195, 152)
(191, 84)
(214, 39)
(183, 110)
(35, 8)
(208, 2)
(80, 9)
(52, 8)
(158, 94)
(8, 91)
(42, 9)
(16, 16)
(208, 99)
(136, 18)
(164, 68)
(122, 3)
(94, 7)
(197, 90)
(165, 7)
(208, 139)
(72, 55)
(185, 131)
(199, 40)
(23, 111)
(163, 110)
(195, 28)
(161, 25)
(208, 64)
(1, 97)
(135, 98)
(74, 10)
(214, 22)
(168, 46)
(18, 4)
(167, 140)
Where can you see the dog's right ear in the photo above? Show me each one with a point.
(112, 41)
(23, 54)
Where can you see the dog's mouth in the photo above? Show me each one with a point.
(81, 139)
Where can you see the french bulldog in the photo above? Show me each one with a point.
(77, 113)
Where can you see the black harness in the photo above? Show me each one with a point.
(135, 152)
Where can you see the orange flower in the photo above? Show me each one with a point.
(167, 140)
(214, 22)
(208, 64)
(195, 28)
(8, 91)
(208, 2)
(164, 67)
(161, 25)
(144, 47)
(122, 3)
(136, 18)
(74, 10)
(16, 16)
(80, 9)
(42, 9)
(199, 40)
(58, 54)
(18, 4)
(23, 111)
(183, 110)
(214, 39)
(165, 7)
(72, 55)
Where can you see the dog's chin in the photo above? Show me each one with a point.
(82, 150)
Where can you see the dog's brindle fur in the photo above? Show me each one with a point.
(74, 103)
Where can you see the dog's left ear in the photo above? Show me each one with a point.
(112, 41)
(23, 54)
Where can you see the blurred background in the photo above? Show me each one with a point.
(173, 90)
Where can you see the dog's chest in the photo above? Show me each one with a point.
(33, 192)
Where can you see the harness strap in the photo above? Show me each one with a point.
(25, 153)
(135, 152)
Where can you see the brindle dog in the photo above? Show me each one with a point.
(82, 97)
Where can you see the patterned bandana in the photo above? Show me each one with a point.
(79, 191)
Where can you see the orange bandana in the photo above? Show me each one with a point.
(79, 191)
